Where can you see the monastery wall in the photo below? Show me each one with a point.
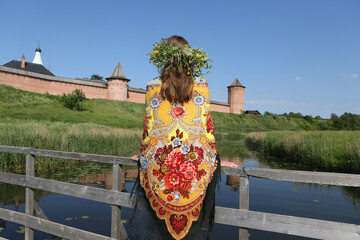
(53, 85)
(134, 95)
(219, 107)
(41, 83)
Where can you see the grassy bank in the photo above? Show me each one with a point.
(325, 150)
(234, 123)
(71, 137)
(114, 127)
(18, 104)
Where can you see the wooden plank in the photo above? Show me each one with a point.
(117, 228)
(29, 196)
(298, 226)
(76, 190)
(84, 156)
(12, 178)
(233, 171)
(70, 155)
(12, 149)
(339, 179)
(39, 212)
(50, 227)
(244, 201)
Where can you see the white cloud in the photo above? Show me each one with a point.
(261, 102)
(354, 76)
(298, 78)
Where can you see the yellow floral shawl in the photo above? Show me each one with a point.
(178, 156)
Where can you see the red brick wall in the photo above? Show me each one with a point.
(52, 87)
(219, 108)
(39, 85)
(136, 97)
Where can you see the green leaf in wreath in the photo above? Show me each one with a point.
(68, 219)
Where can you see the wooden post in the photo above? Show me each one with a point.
(29, 197)
(117, 228)
(244, 201)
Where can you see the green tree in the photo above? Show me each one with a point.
(309, 118)
(96, 77)
(74, 100)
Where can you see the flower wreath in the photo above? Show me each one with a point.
(192, 60)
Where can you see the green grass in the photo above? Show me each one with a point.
(41, 121)
(234, 123)
(325, 150)
(18, 104)
(70, 137)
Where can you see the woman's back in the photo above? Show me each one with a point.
(178, 156)
(179, 162)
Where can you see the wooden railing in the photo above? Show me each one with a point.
(243, 217)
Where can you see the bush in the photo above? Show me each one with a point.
(74, 100)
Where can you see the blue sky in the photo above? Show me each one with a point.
(300, 55)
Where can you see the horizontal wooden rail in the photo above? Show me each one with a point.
(241, 218)
(339, 179)
(47, 226)
(70, 155)
(299, 226)
(76, 190)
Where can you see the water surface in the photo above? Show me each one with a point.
(296, 199)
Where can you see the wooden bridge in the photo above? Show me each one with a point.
(243, 217)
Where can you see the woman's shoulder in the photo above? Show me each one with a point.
(154, 81)
(200, 80)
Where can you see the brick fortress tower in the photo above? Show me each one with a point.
(236, 92)
(117, 85)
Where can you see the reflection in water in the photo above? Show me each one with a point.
(234, 181)
(105, 179)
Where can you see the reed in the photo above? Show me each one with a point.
(324, 150)
(70, 137)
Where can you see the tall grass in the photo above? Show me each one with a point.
(326, 150)
(231, 145)
(234, 123)
(71, 137)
